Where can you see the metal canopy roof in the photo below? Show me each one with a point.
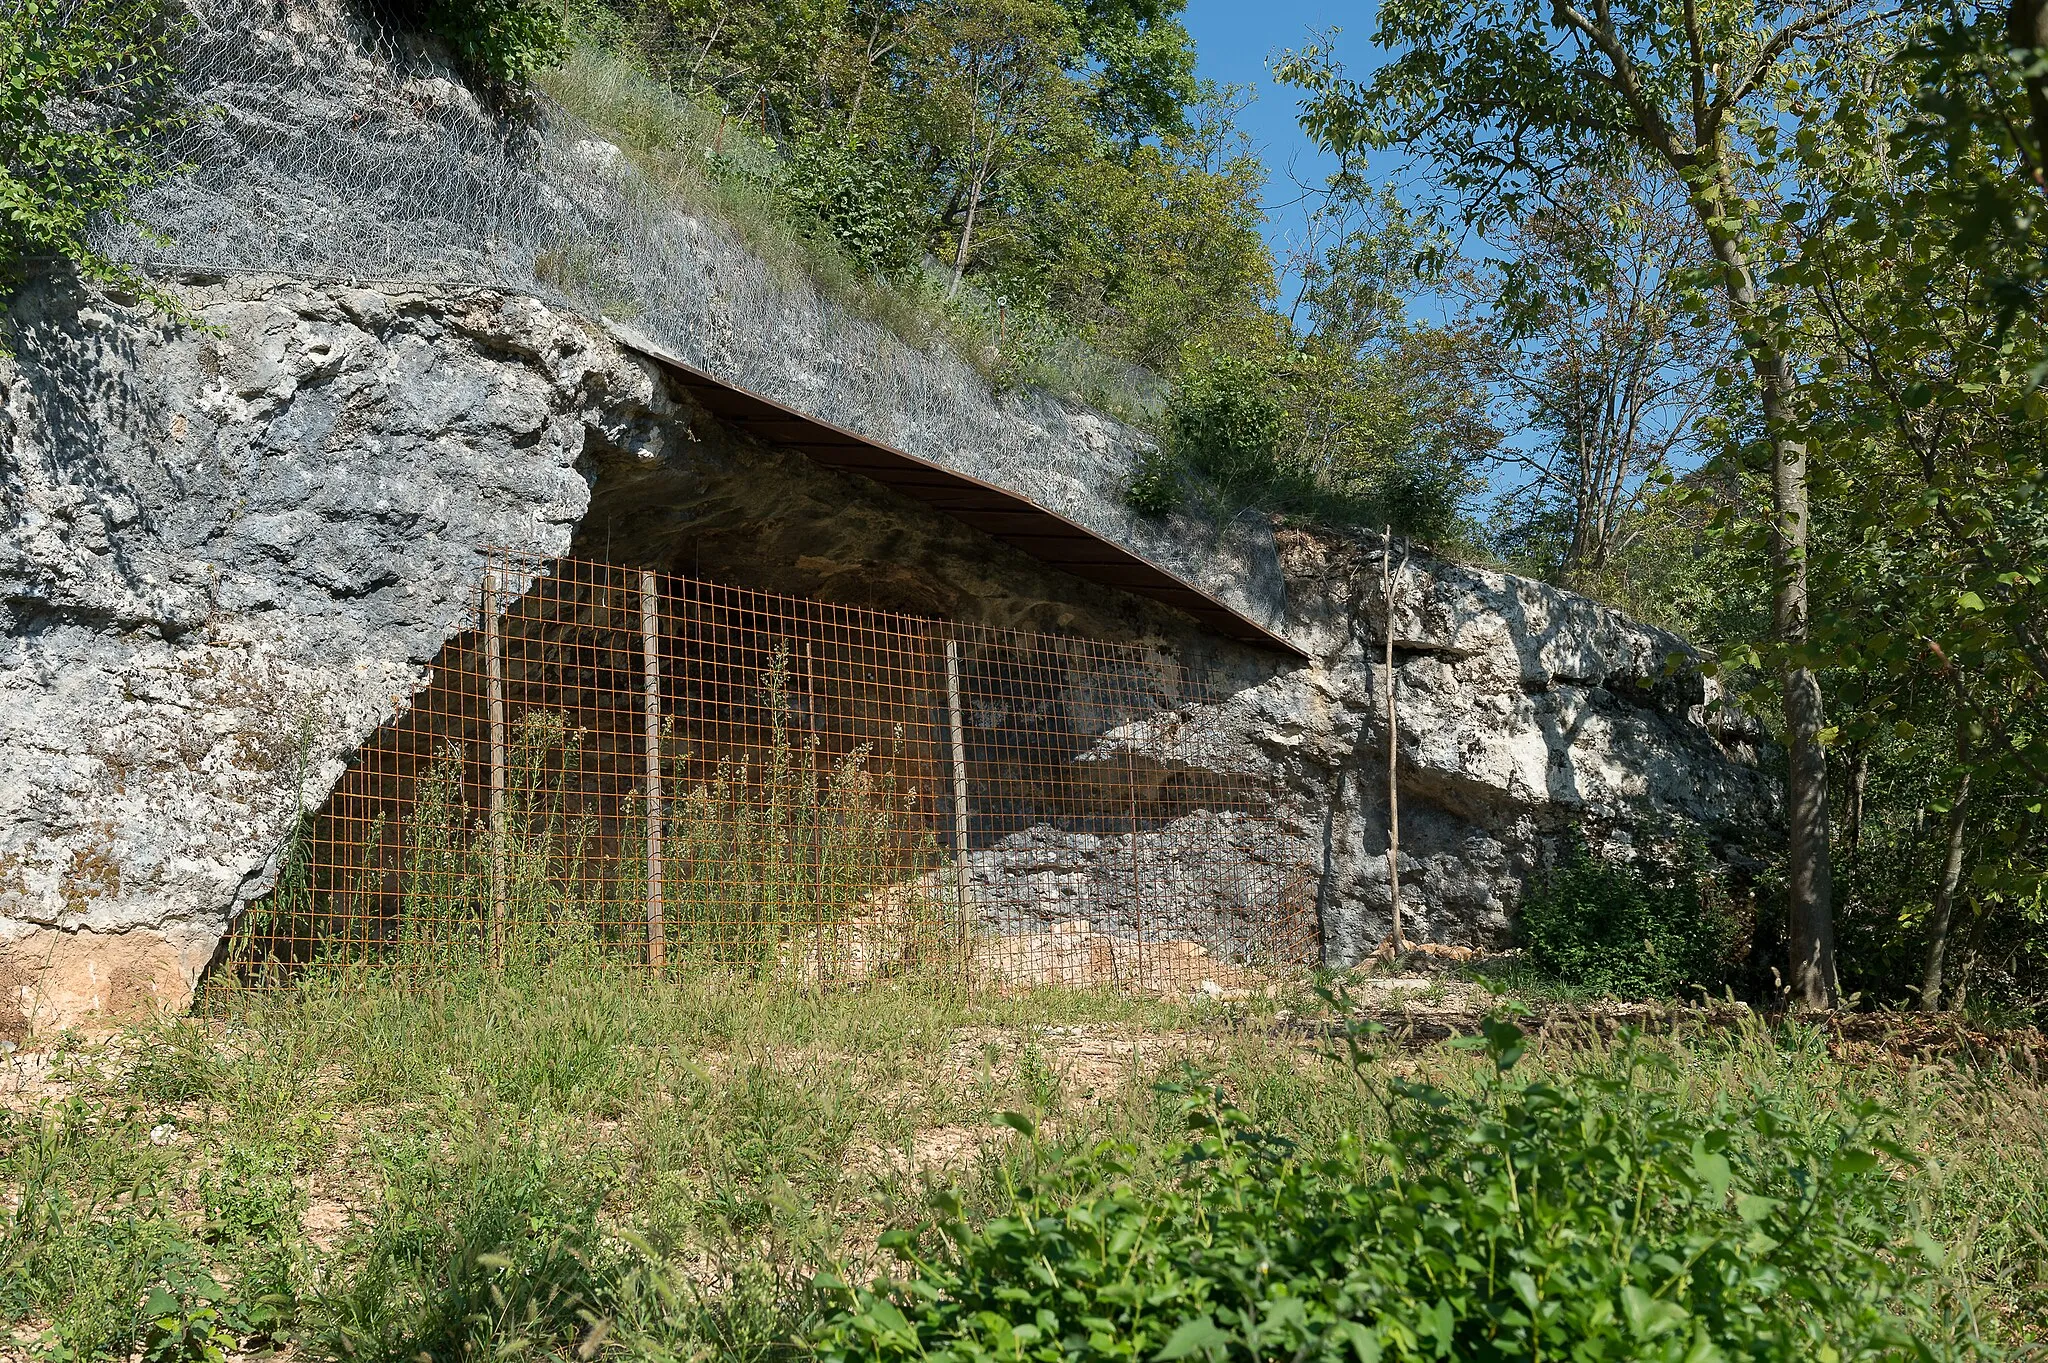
(1017, 521)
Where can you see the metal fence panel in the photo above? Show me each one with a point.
(677, 774)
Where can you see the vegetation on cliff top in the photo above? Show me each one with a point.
(85, 99)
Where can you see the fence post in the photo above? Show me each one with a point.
(816, 855)
(1137, 867)
(494, 673)
(650, 644)
(959, 784)
(1390, 583)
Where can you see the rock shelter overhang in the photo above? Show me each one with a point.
(1002, 514)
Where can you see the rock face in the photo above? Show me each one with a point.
(231, 553)
(232, 546)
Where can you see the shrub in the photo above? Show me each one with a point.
(1631, 931)
(1592, 1218)
(1243, 433)
(84, 108)
(1221, 433)
(1155, 488)
(863, 200)
(1225, 426)
(500, 43)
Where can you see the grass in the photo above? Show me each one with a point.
(582, 1162)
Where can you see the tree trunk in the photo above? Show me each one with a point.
(1809, 884)
(1944, 901)
(1859, 783)
(966, 234)
(1809, 881)
(2026, 26)
(1960, 994)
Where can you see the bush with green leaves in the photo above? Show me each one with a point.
(1225, 426)
(86, 99)
(863, 199)
(500, 43)
(1599, 1217)
(1319, 443)
(1627, 929)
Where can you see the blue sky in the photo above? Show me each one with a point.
(1233, 39)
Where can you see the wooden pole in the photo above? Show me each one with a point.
(1389, 583)
(959, 783)
(494, 672)
(650, 646)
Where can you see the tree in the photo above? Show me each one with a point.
(1144, 60)
(995, 73)
(1148, 252)
(1390, 416)
(1593, 338)
(1501, 98)
(1932, 418)
(85, 102)
(770, 61)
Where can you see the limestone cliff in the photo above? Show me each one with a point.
(231, 552)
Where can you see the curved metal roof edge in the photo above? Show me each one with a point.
(1004, 515)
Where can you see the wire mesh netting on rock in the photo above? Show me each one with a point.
(663, 771)
(331, 142)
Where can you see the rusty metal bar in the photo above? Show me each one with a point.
(650, 646)
(494, 664)
(959, 788)
(1390, 582)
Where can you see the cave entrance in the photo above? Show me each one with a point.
(654, 769)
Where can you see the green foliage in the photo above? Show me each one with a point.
(1627, 930)
(91, 1254)
(189, 1316)
(1155, 488)
(85, 103)
(1598, 1216)
(250, 1198)
(1058, 153)
(1372, 441)
(1907, 251)
(500, 43)
(452, 1133)
(866, 201)
(1225, 426)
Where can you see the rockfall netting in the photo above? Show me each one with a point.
(333, 144)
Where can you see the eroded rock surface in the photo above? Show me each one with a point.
(224, 560)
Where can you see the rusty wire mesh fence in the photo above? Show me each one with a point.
(673, 773)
